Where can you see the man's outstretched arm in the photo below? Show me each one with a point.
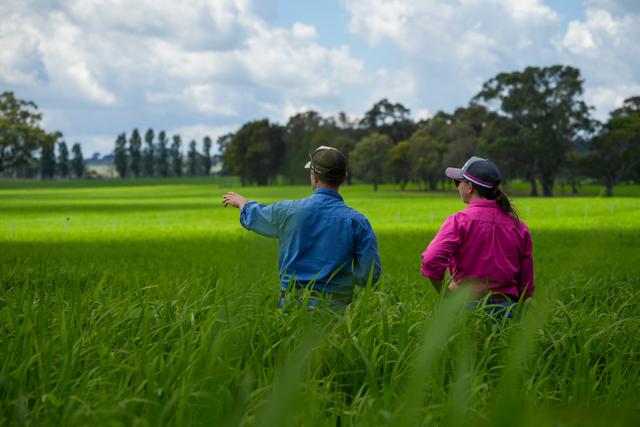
(262, 219)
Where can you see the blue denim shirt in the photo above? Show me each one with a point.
(321, 240)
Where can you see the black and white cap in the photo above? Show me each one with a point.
(477, 170)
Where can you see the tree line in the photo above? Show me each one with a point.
(159, 156)
(27, 151)
(533, 123)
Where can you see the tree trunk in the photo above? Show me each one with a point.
(547, 187)
(534, 186)
(609, 185)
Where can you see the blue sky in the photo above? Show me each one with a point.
(205, 67)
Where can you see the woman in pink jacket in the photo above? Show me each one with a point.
(485, 246)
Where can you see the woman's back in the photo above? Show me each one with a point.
(491, 250)
(485, 245)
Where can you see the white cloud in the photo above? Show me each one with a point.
(166, 61)
(448, 49)
(585, 38)
(422, 114)
(605, 47)
(605, 99)
(20, 63)
(169, 63)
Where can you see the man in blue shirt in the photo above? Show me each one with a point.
(324, 245)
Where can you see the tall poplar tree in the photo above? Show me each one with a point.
(63, 160)
(120, 157)
(176, 155)
(163, 155)
(148, 154)
(48, 158)
(206, 156)
(192, 159)
(77, 162)
(135, 144)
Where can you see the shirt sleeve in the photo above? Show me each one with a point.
(525, 276)
(265, 220)
(366, 261)
(435, 258)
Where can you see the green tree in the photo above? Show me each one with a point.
(176, 155)
(400, 163)
(546, 105)
(63, 160)
(148, 154)
(206, 156)
(223, 143)
(163, 155)
(461, 133)
(368, 158)
(21, 136)
(427, 158)
(298, 140)
(135, 144)
(508, 145)
(192, 159)
(630, 106)
(77, 162)
(47, 157)
(343, 142)
(615, 152)
(255, 152)
(120, 157)
(391, 119)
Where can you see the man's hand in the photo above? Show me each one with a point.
(233, 199)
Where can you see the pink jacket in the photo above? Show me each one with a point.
(485, 245)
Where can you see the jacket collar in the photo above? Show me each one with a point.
(483, 203)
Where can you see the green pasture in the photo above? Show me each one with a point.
(146, 303)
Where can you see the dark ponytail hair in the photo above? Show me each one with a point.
(500, 197)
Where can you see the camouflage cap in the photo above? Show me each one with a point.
(328, 162)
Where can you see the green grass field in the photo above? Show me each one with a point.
(146, 303)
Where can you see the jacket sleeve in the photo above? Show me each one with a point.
(526, 282)
(266, 220)
(366, 260)
(447, 241)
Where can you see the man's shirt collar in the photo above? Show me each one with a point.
(328, 192)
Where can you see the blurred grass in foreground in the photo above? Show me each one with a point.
(149, 305)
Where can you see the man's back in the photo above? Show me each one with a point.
(321, 241)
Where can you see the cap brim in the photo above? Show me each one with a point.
(308, 165)
(454, 173)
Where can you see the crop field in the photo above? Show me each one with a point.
(146, 303)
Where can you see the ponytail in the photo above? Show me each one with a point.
(501, 199)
